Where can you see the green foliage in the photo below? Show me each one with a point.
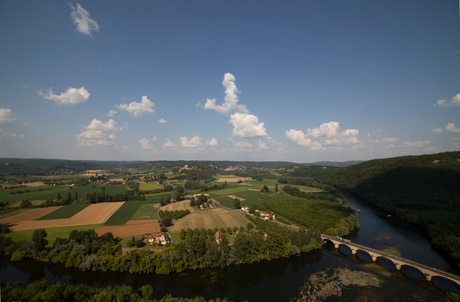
(236, 203)
(38, 240)
(41, 290)
(124, 213)
(422, 190)
(64, 212)
(312, 213)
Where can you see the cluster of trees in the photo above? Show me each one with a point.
(43, 291)
(315, 214)
(293, 191)
(199, 249)
(196, 185)
(168, 216)
(201, 199)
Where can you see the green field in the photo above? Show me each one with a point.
(226, 192)
(124, 213)
(53, 233)
(156, 198)
(52, 192)
(145, 211)
(150, 187)
(64, 212)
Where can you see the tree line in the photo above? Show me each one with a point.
(200, 249)
(42, 290)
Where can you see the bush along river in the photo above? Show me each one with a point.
(320, 275)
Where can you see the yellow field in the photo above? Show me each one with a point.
(93, 214)
(232, 179)
(181, 205)
(209, 219)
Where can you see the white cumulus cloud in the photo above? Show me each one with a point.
(242, 146)
(325, 136)
(230, 104)
(451, 128)
(138, 109)
(82, 19)
(98, 133)
(262, 145)
(169, 144)
(146, 144)
(454, 102)
(298, 137)
(162, 121)
(247, 125)
(6, 116)
(70, 97)
(437, 130)
(111, 113)
(193, 142)
(212, 142)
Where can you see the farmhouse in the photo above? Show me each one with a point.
(245, 208)
(217, 236)
(158, 238)
(265, 215)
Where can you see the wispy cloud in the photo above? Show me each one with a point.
(82, 19)
(71, 96)
(111, 113)
(6, 116)
(454, 102)
(138, 109)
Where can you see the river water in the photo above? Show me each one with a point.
(278, 280)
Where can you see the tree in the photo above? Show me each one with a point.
(25, 204)
(265, 189)
(236, 203)
(276, 188)
(38, 240)
(179, 192)
(167, 222)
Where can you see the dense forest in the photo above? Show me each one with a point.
(423, 190)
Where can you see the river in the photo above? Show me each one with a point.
(278, 280)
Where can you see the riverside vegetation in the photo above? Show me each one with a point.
(422, 190)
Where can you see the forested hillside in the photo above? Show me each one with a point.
(424, 190)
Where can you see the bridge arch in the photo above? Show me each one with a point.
(445, 284)
(413, 272)
(364, 256)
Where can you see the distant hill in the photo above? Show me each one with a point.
(423, 190)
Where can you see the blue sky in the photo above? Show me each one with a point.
(298, 81)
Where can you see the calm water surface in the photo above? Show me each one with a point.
(278, 280)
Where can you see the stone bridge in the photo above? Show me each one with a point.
(399, 262)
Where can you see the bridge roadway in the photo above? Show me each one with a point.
(399, 262)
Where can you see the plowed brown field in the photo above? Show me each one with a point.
(94, 214)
